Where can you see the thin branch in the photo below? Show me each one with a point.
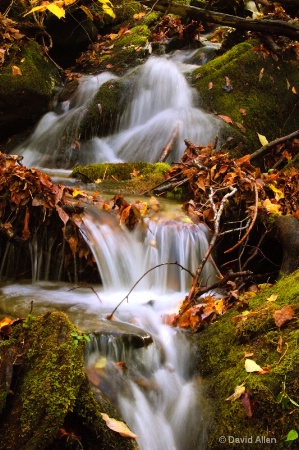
(214, 237)
(256, 251)
(228, 276)
(250, 226)
(90, 287)
(153, 268)
(271, 144)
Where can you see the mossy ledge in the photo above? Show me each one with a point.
(221, 350)
(130, 178)
(49, 392)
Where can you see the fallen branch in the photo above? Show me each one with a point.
(170, 145)
(227, 277)
(153, 268)
(278, 27)
(271, 144)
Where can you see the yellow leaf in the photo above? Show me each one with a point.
(252, 366)
(107, 8)
(277, 191)
(40, 8)
(56, 10)
(77, 192)
(272, 208)
(263, 139)
(272, 298)
(139, 15)
(294, 90)
(98, 181)
(69, 2)
(118, 427)
(87, 11)
(239, 390)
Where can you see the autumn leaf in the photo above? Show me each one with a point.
(239, 390)
(261, 74)
(87, 11)
(263, 139)
(118, 426)
(16, 71)
(283, 315)
(272, 298)
(210, 85)
(294, 90)
(56, 10)
(272, 208)
(252, 366)
(225, 118)
(107, 8)
(139, 15)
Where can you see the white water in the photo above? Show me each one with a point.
(169, 412)
(158, 103)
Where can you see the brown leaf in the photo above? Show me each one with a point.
(16, 71)
(245, 398)
(283, 315)
(210, 84)
(26, 232)
(279, 345)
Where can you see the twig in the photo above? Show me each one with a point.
(257, 249)
(228, 276)
(153, 268)
(90, 287)
(250, 226)
(271, 144)
(217, 217)
(283, 355)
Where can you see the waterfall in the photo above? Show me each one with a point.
(154, 387)
(160, 106)
(157, 391)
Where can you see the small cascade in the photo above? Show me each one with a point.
(123, 257)
(160, 107)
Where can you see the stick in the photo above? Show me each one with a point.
(155, 267)
(271, 144)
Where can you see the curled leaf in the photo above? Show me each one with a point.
(283, 315)
(239, 390)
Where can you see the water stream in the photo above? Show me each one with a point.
(156, 390)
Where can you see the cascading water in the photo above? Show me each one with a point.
(160, 107)
(157, 393)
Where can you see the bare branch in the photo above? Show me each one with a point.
(271, 144)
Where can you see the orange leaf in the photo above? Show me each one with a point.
(16, 71)
(283, 315)
(225, 118)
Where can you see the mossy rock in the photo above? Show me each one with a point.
(102, 113)
(261, 99)
(221, 354)
(123, 178)
(25, 98)
(50, 404)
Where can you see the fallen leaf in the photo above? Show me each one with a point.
(239, 390)
(294, 90)
(283, 315)
(16, 71)
(139, 15)
(245, 398)
(240, 126)
(272, 208)
(210, 84)
(252, 366)
(261, 74)
(272, 298)
(263, 139)
(118, 426)
(243, 111)
(225, 118)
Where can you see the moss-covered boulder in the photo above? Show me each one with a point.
(254, 88)
(270, 408)
(27, 85)
(129, 178)
(50, 404)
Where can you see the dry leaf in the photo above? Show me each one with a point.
(225, 118)
(263, 139)
(272, 298)
(261, 74)
(118, 426)
(279, 345)
(239, 390)
(16, 71)
(252, 366)
(245, 398)
(210, 84)
(243, 111)
(283, 315)
(294, 90)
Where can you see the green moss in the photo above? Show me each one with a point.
(119, 171)
(221, 350)
(258, 82)
(38, 74)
